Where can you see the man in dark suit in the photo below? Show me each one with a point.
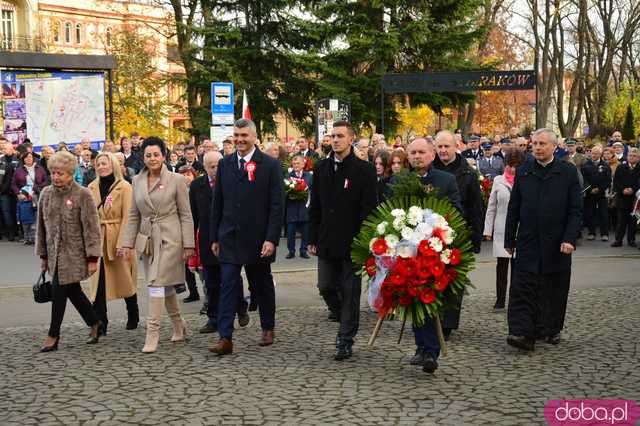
(200, 197)
(597, 175)
(542, 225)
(342, 196)
(626, 181)
(297, 212)
(191, 159)
(246, 219)
(473, 150)
(309, 155)
(421, 155)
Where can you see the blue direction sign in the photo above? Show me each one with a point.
(222, 98)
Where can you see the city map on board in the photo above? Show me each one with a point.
(65, 110)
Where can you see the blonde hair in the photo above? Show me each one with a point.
(115, 165)
(63, 160)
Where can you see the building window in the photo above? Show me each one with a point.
(78, 33)
(7, 29)
(108, 36)
(67, 32)
(56, 31)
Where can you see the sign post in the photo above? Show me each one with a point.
(222, 111)
(328, 111)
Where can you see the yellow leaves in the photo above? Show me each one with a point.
(415, 121)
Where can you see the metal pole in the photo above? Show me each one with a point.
(111, 131)
(381, 109)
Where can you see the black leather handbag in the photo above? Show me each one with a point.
(42, 290)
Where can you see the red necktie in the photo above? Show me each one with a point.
(212, 183)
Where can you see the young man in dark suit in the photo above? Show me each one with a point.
(246, 219)
(342, 196)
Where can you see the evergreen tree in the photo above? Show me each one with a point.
(627, 128)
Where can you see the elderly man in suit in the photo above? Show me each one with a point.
(542, 231)
(246, 218)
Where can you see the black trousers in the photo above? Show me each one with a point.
(502, 280)
(626, 224)
(340, 287)
(190, 278)
(59, 296)
(596, 212)
(100, 304)
(538, 303)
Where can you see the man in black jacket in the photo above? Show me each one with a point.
(597, 175)
(191, 159)
(472, 206)
(8, 165)
(342, 196)
(626, 182)
(542, 225)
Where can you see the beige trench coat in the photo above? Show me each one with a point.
(121, 275)
(160, 227)
(68, 231)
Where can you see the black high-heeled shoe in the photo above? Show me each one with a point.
(95, 334)
(51, 348)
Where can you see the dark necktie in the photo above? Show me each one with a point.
(212, 183)
(242, 161)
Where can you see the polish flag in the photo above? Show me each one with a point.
(246, 111)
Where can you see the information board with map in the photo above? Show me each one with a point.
(49, 108)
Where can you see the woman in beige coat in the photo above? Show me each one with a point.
(68, 242)
(160, 228)
(117, 277)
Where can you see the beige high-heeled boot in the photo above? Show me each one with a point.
(179, 324)
(153, 325)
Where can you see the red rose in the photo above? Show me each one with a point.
(441, 283)
(405, 267)
(413, 289)
(380, 247)
(423, 248)
(423, 271)
(455, 257)
(396, 279)
(451, 274)
(405, 300)
(370, 266)
(437, 268)
(427, 295)
(386, 290)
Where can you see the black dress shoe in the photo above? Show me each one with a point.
(553, 340)
(521, 342)
(430, 364)
(343, 351)
(304, 256)
(290, 256)
(191, 298)
(207, 329)
(95, 334)
(243, 318)
(616, 244)
(418, 358)
(51, 348)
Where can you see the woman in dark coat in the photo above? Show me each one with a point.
(31, 172)
(383, 172)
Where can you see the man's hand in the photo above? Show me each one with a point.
(487, 237)
(44, 265)
(313, 251)
(567, 248)
(267, 249)
(215, 249)
(92, 267)
(187, 253)
(627, 191)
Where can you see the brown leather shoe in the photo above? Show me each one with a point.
(267, 338)
(223, 347)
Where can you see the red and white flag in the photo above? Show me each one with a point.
(246, 111)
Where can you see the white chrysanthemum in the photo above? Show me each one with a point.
(392, 241)
(406, 233)
(445, 256)
(414, 216)
(398, 213)
(398, 223)
(404, 251)
(382, 228)
(436, 244)
(449, 236)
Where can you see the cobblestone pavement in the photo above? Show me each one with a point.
(481, 381)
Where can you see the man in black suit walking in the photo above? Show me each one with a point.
(342, 196)
(246, 218)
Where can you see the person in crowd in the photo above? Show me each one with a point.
(68, 244)
(85, 143)
(325, 145)
(342, 196)
(172, 162)
(398, 162)
(127, 172)
(489, 165)
(179, 150)
(26, 213)
(297, 211)
(160, 227)
(62, 146)
(307, 153)
(495, 218)
(228, 146)
(361, 154)
(609, 156)
(46, 152)
(8, 165)
(190, 175)
(132, 159)
(597, 179)
(513, 133)
(200, 197)
(383, 172)
(109, 146)
(364, 145)
(626, 183)
(191, 159)
(117, 276)
(473, 150)
(448, 160)
(271, 149)
(574, 157)
(397, 141)
(246, 221)
(85, 172)
(619, 152)
(29, 172)
(136, 143)
(207, 146)
(77, 151)
(542, 233)
(421, 154)
(522, 144)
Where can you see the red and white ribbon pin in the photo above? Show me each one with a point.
(250, 168)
